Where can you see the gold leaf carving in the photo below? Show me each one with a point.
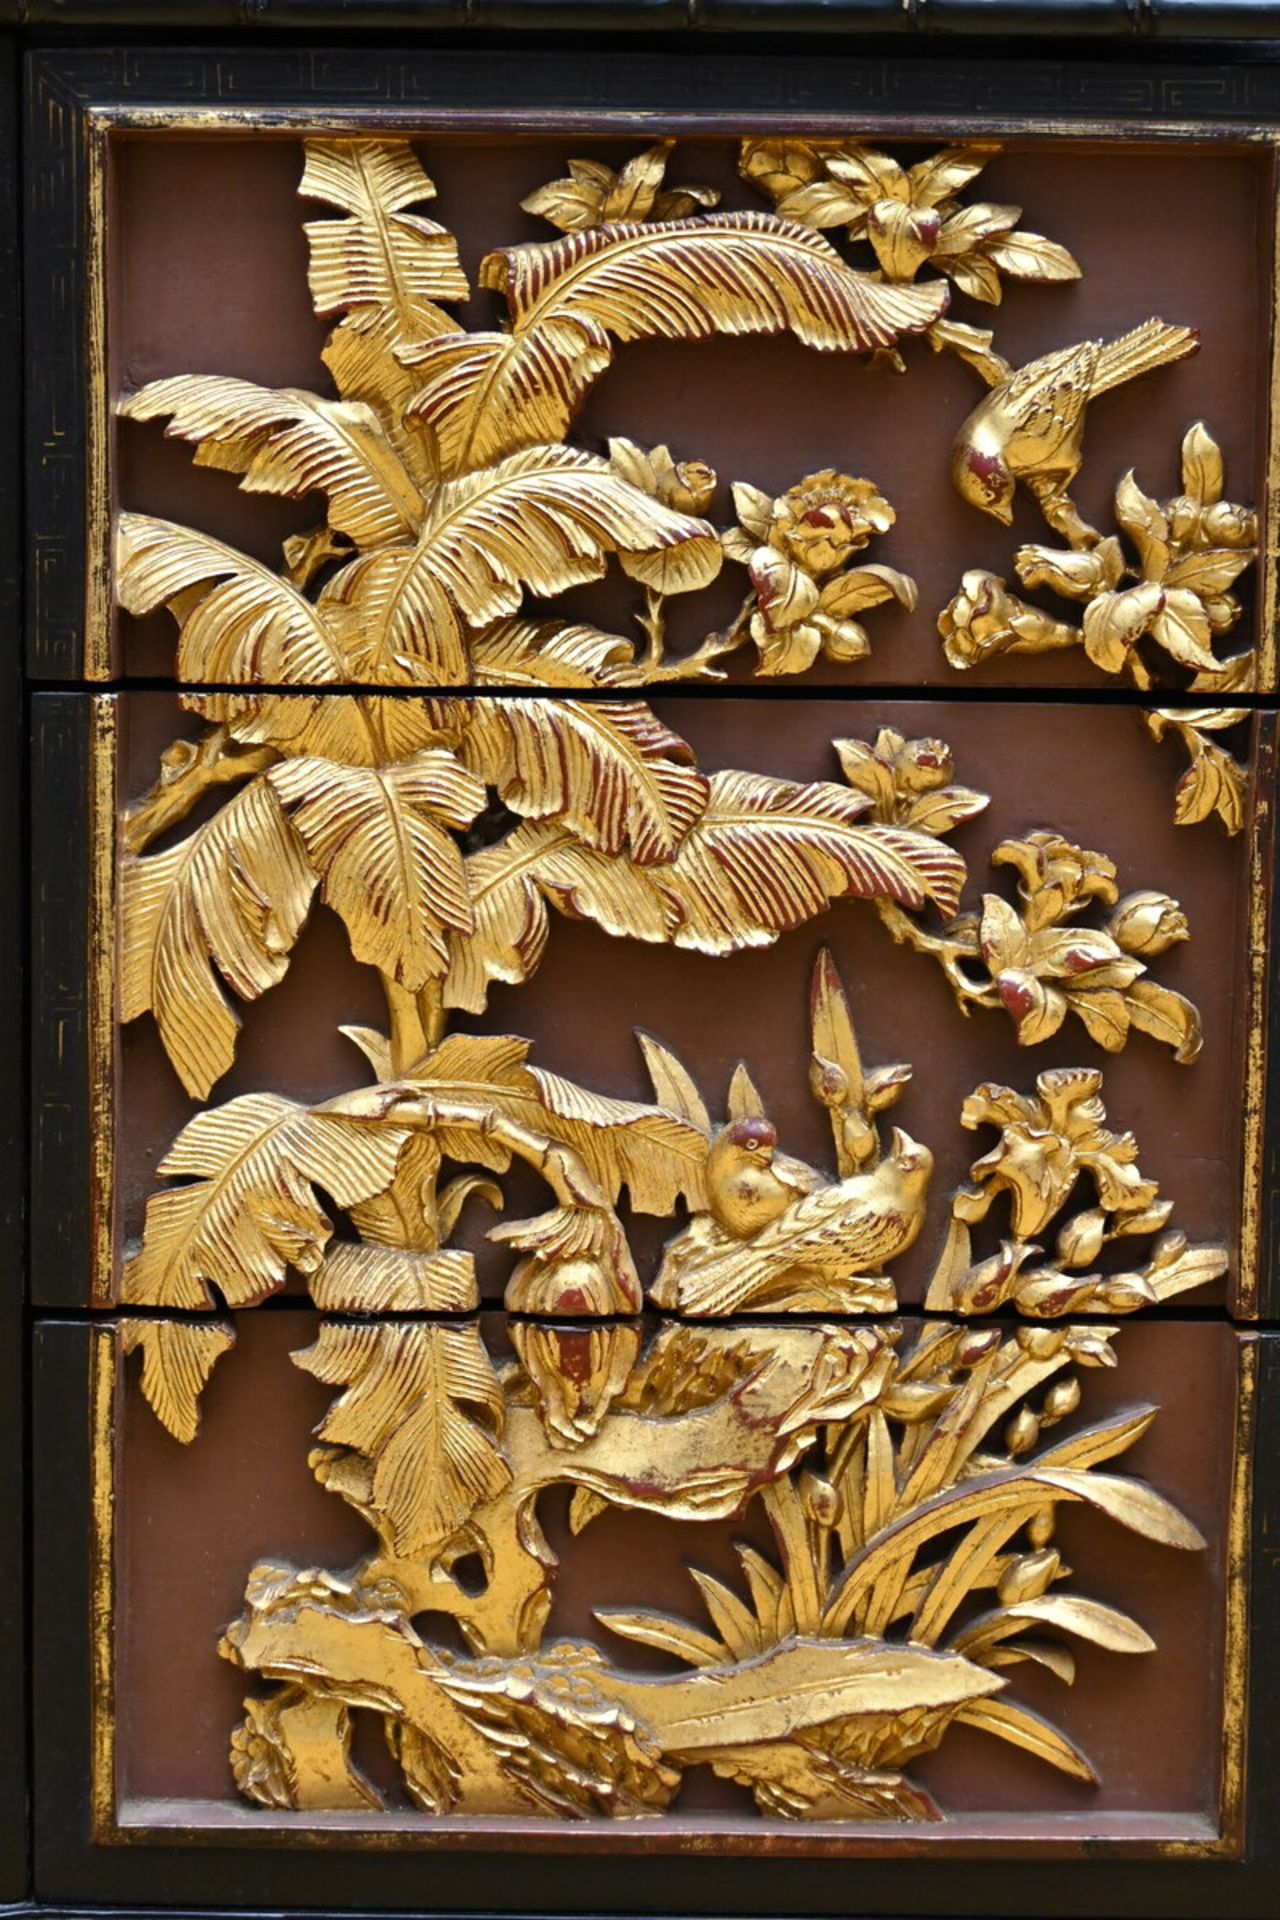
(612, 773)
(381, 264)
(905, 1494)
(765, 855)
(292, 443)
(545, 519)
(251, 1208)
(177, 1358)
(422, 1413)
(489, 394)
(240, 622)
(232, 896)
(376, 836)
(1050, 1142)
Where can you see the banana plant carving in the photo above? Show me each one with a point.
(397, 722)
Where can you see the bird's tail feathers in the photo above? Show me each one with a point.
(1154, 344)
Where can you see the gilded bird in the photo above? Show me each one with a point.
(819, 1250)
(747, 1185)
(1030, 427)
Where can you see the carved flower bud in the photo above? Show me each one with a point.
(921, 765)
(1027, 1577)
(977, 1345)
(822, 1501)
(691, 487)
(828, 1082)
(1041, 1343)
(1226, 525)
(1147, 923)
(1169, 1248)
(1080, 1241)
(1183, 516)
(1022, 1433)
(977, 621)
(1040, 1527)
(843, 641)
(1062, 1398)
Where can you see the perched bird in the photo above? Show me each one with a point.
(1030, 427)
(747, 1185)
(819, 1250)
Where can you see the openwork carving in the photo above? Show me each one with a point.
(400, 723)
(1175, 593)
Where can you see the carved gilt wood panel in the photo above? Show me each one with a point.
(681, 831)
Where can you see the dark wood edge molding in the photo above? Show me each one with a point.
(13, 1104)
(71, 1872)
(61, 1245)
(1137, 22)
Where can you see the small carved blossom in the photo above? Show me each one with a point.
(1048, 1142)
(985, 619)
(1043, 965)
(686, 486)
(908, 782)
(910, 216)
(1176, 591)
(796, 549)
(595, 195)
(1037, 962)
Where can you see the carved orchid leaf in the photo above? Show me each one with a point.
(1028, 1731)
(387, 865)
(292, 443)
(611, 772)
(239, 620)
(230, 899)
(1069, 1613)
(571, 299)
(251, 1209)
(544, 519)
(423, 1409)
(177, 1358)
(381, 264)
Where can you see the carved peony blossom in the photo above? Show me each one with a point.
(795, 549)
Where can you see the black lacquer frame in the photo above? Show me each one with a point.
(47, 723)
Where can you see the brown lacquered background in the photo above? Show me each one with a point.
(193, 1521)
(209, 276)
(1088, 772)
